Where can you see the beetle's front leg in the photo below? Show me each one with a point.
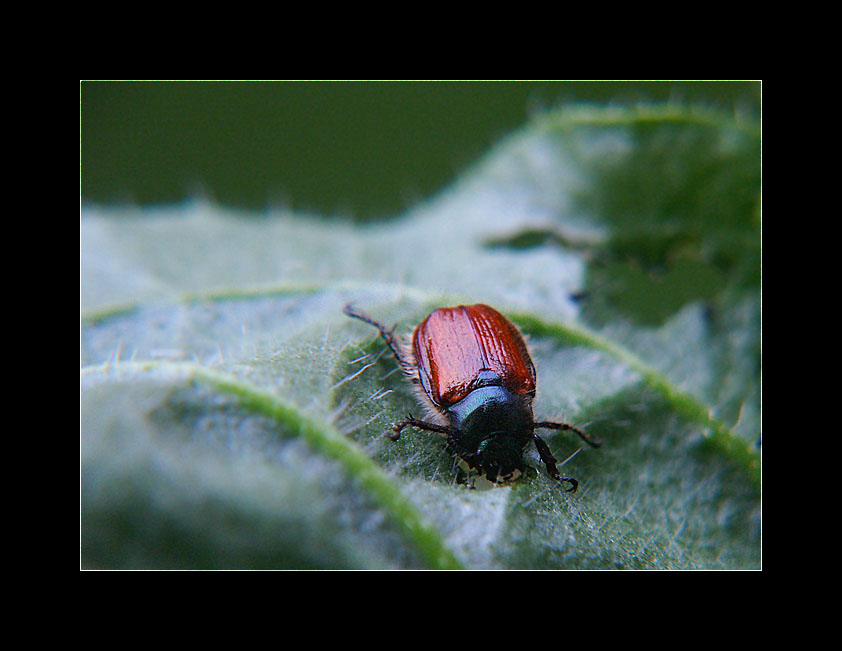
(410, 421)
(550, 461)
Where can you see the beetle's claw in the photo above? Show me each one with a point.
(398, 427)
(574, 485)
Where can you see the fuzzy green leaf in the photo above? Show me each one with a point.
(233, 417)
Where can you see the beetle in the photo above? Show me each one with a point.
(474, 373)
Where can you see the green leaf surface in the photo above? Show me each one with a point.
(233, 417)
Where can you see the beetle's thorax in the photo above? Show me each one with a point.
(491, 412)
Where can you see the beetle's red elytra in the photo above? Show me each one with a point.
(478, 382)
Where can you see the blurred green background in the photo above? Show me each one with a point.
(350, 149)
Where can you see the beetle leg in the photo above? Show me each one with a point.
(550, 461)
(420, 424)
(565, 426)
(388, 335)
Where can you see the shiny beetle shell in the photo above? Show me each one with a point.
(460, 349)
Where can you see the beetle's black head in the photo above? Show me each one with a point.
(493, 425)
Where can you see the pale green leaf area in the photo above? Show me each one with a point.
(233, 417)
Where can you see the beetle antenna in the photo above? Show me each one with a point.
(388, 335)
(564, 426)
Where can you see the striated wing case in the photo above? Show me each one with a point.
(459, 349)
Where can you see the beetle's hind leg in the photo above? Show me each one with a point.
(550, 461)
(387, 335)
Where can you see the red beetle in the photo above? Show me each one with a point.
(478, 382)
